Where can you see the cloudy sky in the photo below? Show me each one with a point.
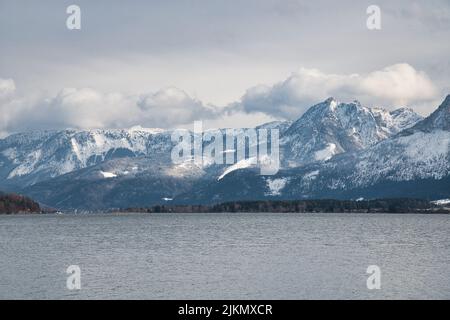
(230, 63)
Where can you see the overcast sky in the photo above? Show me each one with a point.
(233, 63)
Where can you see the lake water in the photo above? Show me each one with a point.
(225, 256)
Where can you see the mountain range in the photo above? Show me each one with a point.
(334, 150)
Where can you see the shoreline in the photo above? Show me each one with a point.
(382, 206)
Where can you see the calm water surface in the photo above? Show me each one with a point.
(225, 256)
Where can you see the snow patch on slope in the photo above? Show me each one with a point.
(417, 156)
(276, 185)
(426, 147)
(441, 202)
(185, 169)
(245, 163)
(107, 175)
(311, 175)
(327, 153)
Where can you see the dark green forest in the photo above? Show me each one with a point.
(13, 203)
(403, 205)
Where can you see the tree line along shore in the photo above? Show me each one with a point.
(304, 206)
(18, 204)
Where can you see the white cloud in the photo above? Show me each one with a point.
(293, 96)
(399, 84)
(7, 91)
(88, 108)
(237, 119)
(393, 86)
(172, 106)
(7, 88)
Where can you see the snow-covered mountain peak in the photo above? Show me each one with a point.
(147, 130)
(446, 103)
(326, 129)
(332, 127)
(441, 117)
(332, 109)
(41, 155)
(438, 120)
(331, 102)
(329, 105)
